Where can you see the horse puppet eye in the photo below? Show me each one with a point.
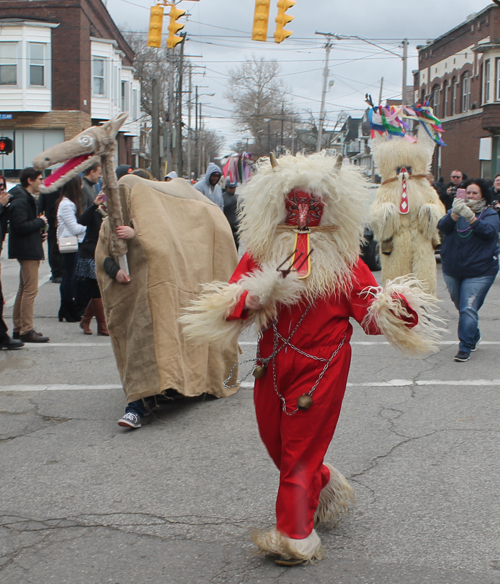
(85, 140)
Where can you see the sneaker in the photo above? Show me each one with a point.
(130, 420)
(461, 356)
(477, 342)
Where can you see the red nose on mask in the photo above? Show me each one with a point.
(303, 209)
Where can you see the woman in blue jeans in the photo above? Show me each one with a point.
(469, 257)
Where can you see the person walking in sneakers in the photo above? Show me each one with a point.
(25, 245)
(469, 255)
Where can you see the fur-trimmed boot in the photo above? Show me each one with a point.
(337, 498)
(289, 552)
(102, 328)
(87, 318)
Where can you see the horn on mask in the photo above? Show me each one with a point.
(338, 163)
(274, 162)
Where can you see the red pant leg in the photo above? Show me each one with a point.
(298, 443)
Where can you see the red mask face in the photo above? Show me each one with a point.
(303, 209)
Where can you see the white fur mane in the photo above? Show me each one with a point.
(345, 195)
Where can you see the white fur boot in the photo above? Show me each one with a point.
(336, 499)
(289, 551)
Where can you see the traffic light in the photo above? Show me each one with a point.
(174, 27)
(155, 26)
(6, 145)
(261, 20)
(282, 20)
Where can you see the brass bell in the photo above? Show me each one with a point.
(304, 402)
(259, 372)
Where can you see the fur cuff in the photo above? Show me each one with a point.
(337, 498)
(271, 288)
(384, 220)
(206, 318)
(387, 313)
(428, 218)
(276, 544)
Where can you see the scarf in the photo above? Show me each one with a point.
(476, 206)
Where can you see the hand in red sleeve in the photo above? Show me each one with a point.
(412, 319)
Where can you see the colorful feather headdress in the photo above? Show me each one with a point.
(389, 120)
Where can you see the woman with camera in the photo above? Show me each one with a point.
(469, 256)
(68, 209)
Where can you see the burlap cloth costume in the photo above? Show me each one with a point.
(182, 241)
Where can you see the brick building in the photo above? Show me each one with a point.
(461, 71)
(64, 65)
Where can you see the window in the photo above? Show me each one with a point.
(486, 75)
(435, 100)
(454, 96)
(466, 92)
(125, 96)
(445, 98)
(37, 64)
(98, 76)
(135, 105)
(8, 63)
(497, 79)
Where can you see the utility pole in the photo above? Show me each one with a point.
(405, 73)
(171, 112)
(282, 123)
(178, 132)
(326, 73)
(155, 129)
(380, 93)
(189, 137)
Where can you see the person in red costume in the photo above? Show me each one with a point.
(300, 282)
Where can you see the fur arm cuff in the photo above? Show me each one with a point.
(391, 316)
(218, 315)
(206, 318)
(384, 220)
(428, 218)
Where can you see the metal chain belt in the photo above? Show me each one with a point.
(277, 337)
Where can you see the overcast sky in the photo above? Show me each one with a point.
(220, 32)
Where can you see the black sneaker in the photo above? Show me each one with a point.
(461, 356)
(478, 340)
(130, 420)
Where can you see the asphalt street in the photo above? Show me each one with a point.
(85, 501)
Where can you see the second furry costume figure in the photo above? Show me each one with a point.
(290, 208)
(406, 210)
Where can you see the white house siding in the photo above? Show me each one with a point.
(22, 97)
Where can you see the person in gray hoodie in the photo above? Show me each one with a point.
(209, 186)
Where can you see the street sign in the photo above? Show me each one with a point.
(6, 145)
(6, 116)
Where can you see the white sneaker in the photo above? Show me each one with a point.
(130, 420)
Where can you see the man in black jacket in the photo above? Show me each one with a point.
(447, 192)
(5, 341)
(25, 245)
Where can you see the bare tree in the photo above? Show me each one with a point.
(262, 106)
(149, 63)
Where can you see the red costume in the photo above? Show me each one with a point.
(309, 210)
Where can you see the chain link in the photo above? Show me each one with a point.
(277, 337)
